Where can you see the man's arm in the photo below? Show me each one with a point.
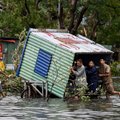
(104, 75)
(107, 72)
(78, 73)
(93, 70)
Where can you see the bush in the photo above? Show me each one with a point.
(115, 68)
(11, 84)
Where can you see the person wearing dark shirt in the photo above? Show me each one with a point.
(92, 76)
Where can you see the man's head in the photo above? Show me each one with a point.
(79, 62)
(91, 64)
(102, 61)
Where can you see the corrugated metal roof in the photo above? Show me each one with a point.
(75, 44)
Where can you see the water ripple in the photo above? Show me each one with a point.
(14, 108)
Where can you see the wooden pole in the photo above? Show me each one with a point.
(43, 88)
(37, 90)
(46, 89)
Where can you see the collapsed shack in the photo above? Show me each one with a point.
(48, 55)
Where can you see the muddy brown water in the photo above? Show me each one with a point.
(15, 108)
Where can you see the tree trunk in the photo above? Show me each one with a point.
(79, 20)
(60, 15)
(93, 33)
(95, 25)
(26, 7)
(72, 14)
(37, 4)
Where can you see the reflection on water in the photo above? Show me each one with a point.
(14, 108)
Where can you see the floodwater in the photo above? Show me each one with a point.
(15, 108)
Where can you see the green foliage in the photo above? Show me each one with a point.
(101, 20)
(16, 16)
(17, 53)
(14, 85)
(115, 69)
(11, 84)
(78, 91)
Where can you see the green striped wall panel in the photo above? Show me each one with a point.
(61, 59)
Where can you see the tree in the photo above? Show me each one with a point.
(98, 20)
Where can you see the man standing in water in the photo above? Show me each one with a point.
(79, 73)
(80, 78)
(105, 75)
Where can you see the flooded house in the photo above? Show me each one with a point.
(48, 56)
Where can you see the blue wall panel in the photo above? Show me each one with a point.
(43, 63)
